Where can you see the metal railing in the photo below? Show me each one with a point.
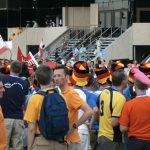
(91, 35)
(110, 35)
(59, 44)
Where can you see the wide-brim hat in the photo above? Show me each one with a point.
(102, 74)
(80, 73)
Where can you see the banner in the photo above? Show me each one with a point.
(20, 56)
(3, 46)
(29, 58)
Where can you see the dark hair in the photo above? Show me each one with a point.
(16, 67)
(93, 83)
(140, 85)
(44, 74)
(118, 76)
(25, 71)
(66, 71)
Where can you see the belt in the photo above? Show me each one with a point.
(60, 140)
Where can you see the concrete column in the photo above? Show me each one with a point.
(65, 16)
(57, 21)
(94, 15)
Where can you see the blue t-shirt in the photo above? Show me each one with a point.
(14, 96)
(91, 99)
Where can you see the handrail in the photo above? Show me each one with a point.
(92, 33)
(110, 35)
(74, 37)
(115, 31)
(98, 37)
(53, 42)
(68, 30)
(105, 31)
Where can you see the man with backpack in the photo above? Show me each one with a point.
(47, 115)
(74, 103)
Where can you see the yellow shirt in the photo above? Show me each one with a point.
(33, 110)
(3, 139)
(118, 100)
(74, 102)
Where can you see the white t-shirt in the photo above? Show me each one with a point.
(148, 92)
(82, 128)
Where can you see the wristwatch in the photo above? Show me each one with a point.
(75, 126)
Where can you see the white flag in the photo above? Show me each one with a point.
(3, 46)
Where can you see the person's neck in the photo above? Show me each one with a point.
(46, 86)
(139, 92)
(64, 87)
(120, 88)
(105, 85)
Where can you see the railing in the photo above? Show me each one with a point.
(113, 32)
(59, 43)
(91, 35)
(104, 32)
(80, 29)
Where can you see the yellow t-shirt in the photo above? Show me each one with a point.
(105, 128)
(74, 102)
(33, 110)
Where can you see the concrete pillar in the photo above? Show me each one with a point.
(65, 16)
(94, 15)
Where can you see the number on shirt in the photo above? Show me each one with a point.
(102, 108)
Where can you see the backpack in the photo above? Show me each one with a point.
(132, 92)
(53, 122)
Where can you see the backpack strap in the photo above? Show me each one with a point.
(44, 93)
(111, 99)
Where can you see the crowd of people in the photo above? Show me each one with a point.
(108, 106)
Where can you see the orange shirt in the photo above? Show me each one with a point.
(74, 102)
(136, 116)
(3, 139)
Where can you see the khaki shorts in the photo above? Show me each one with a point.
(15, 129)
(40, 143)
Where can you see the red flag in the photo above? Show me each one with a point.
(31, 61)
(50, 64)
(3, 46)
(29, 58)
(20, 56)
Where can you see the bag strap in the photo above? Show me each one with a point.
(44, 93)
(111, 99)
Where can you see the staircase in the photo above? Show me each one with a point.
(106, 35)
(105, 43)
(75, 41)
